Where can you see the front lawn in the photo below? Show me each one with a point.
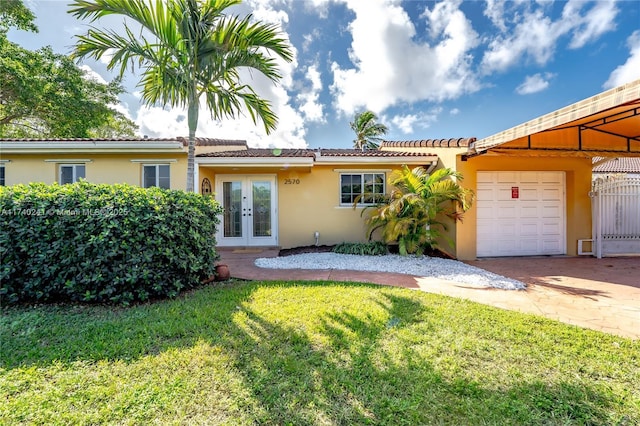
(310, 353)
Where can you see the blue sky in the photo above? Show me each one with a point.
(429, 69)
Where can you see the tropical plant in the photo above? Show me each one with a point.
(367, 131)
(411, 214)
(13, 13)
(370, 248)
(44, 94)
(188, 50)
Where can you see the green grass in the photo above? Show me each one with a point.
(310, 353)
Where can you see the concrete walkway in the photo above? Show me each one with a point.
(601, 294)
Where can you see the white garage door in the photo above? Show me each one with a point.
(521, 213)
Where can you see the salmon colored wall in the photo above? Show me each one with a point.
(311, 205)
(103, 168)
(578, 203)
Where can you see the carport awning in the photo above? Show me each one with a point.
(607, 124)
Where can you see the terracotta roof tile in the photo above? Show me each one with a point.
(368, 153)
(183, 140)
(214, 142)
(617, 165)
(429, 143)
(135, 139)
(272, 153)
(261, 153)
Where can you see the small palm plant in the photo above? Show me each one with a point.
(410, 214)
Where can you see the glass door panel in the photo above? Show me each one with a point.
(261, 197)
(250, 210)
(232, 204)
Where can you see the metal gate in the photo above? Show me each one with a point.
(616, 216)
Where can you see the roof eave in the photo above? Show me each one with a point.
(245, 162)
(617, 96)
(89, 147)
(427, 159)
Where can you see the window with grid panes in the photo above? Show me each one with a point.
(368, 185)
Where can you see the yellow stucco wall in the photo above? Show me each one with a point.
(578, 203)
(447, 157)
(578, 184)
(102, 168)
(310, 204)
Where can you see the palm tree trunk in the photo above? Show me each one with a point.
(192, 118)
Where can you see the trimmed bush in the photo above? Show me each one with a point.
(103, 243)
(371, 248)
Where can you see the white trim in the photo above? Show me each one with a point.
(256, 161)
(246, 180)
(376, 160)
(74, 171)
(365, 172)
(68, 147)
(4, 161)
(155, 161)
(196, 179)
(157, 174)
(600, 102)
(362, 170)
(69, 160)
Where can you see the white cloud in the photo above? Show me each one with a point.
(309, 38)
(534, 84)
(310, 106)
(319, 7)
(107, 56)
(630, 70)
(534, 36)
(264, 11)
(454, 111)
(290, 133)
(390, 67)
(90, 74)
(599, 20)
(407, 123)
(159, 122)
(495, 12)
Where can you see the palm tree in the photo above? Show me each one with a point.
(367, 131)
(188, 51)
(411, 212)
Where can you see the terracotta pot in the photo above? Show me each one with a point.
(222, 273)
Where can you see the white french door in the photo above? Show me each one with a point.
(250, 210)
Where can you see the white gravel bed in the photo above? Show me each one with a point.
(434, 267)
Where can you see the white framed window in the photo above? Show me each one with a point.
(2, 181)
(156, 175)
(71, 173)
(370, 185)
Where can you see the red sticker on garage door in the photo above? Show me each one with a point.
(515, 192)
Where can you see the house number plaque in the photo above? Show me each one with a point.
(292, 181)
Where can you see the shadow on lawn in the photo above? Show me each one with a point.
(356, 368)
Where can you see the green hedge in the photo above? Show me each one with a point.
(103, 243)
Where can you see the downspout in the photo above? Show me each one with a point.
(432, 167)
